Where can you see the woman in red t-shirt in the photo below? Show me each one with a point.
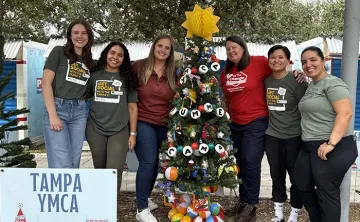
(242, 81)
(156, 91)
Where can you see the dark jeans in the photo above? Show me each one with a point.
(323, 202)
(282, 155)
(249, 140)
(149, 138)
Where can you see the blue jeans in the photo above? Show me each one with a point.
(250, 141)
(64, 147)
(149, 138)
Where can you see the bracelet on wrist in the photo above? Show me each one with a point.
(133, 133)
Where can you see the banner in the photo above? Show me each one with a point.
(58, 195)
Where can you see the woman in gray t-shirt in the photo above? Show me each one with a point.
(329, 149)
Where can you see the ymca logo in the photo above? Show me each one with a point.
(20, 217)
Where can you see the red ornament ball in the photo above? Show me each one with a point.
(201, 108)
(194, 146)
(194, 70)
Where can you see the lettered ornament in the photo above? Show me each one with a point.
(183, 79)
(219, 148)
(203, 69)
(171, 173)
(187, 151)
(173, 111)
(195, 114)
(208, 107)
(171, 152)
(204, 148)
(183, 112)
(187, 71)
(220, 112)
(227, 115)
(215, 66)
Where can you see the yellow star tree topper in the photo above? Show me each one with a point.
(201, 22)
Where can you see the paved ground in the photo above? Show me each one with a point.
(128, 183)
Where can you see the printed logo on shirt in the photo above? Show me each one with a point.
(108, 91)
(77, 73)
(275, 98)
(234, 82)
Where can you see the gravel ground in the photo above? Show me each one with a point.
(265, 212)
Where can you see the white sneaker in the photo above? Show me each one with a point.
(152, 205)
(145, 216)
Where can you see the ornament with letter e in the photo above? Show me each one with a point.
(20, 217)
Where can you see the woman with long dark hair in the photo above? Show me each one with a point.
(329, 149)
(65, 78)
(113, 109)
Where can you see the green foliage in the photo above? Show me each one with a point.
(12, 154)
(195, 91)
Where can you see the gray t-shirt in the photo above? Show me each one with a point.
(108, 109)
(70, 80)
(317, 112)
(282, 98)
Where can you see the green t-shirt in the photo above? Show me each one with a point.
(317, 112)
(108, 109)
(70, 80)
(282, 97)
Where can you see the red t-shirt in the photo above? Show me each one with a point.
(245, 90)
(154, 97)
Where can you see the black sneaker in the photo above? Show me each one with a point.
(236, 209)
(248, 214)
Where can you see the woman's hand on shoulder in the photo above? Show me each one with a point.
(300, 76)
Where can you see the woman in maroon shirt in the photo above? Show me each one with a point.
(157, 89)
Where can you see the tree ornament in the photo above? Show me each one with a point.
(196, 152)
(201, 108)
(195, 114)
(179, 149)
(227, 115)
(219, 148)
(173, 111)
(183, 112)
(171, 173)
(208, 107)
(220, 112)
(205, 87)
(211, 146)
(220, 135)
(171, 152)
(194, 146)
(204, 148)
(192, 94)
(183, 80)
(194, 70)
(201, 22)
(191, 163)
(203, 69)
(187, 71)
(192, 134)
(215, 66)
(187, 151)
(185, 92)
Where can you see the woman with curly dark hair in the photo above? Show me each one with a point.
(65, 78)
(113, 109)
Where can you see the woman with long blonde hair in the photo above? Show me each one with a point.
(156, 90)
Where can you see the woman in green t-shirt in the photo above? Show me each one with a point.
(329, 147)
(66, 74)
(113, 109)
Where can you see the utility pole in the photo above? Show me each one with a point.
(349, 69)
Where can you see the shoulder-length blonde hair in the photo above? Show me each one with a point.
(148, 67)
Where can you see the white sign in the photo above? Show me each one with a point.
(58, 195)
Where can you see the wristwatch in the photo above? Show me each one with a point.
(133, 133)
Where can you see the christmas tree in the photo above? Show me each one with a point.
(197, 157)
(12, 154)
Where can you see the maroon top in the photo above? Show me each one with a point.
(155, 98)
